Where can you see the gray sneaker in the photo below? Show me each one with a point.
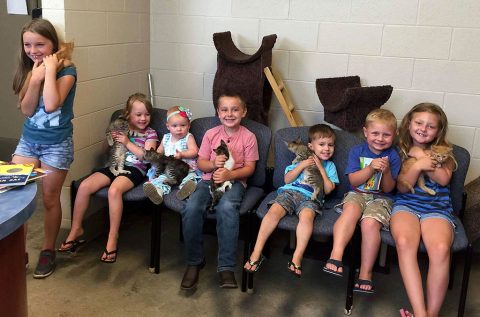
(153, 193)
(187, 189)
(46, 264)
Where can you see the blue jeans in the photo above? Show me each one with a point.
(227, 213)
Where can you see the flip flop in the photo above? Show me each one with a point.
(338, 264)
(107, 259)
(405, 313)
(296, 268)
(71, 246)
(360, 282)
(257, 264)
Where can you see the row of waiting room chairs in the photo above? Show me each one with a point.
(254, 204)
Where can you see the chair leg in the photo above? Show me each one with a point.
(155, 239)
(453, 261)
(73, 195)
(246, 250)
(354, 264)
(466, 278)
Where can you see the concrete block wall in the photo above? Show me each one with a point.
(112, 47)
(427, 50)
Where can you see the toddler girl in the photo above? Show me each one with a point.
(180, 144)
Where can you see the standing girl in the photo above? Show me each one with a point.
(419, 215)
(137, 111)
(46, 89)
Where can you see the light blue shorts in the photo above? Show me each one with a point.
(59, 155)
(422, 216)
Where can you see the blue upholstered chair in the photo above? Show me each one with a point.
(323, 224)
(136, 195)
(461, 242)
(255, 191)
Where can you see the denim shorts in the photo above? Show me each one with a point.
(373, 206)
(58, 155)
(293, 202)
(422, 216)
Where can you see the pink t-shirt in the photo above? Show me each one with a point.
(242, 145)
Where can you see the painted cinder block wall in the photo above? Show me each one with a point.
(428, 50)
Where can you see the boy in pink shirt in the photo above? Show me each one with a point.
(242, 144)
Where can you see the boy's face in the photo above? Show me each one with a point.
(230, 111)
(379, 136)
(323, 147)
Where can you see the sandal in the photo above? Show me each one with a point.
(257, 264)
(405, 313)
(360, 282)
(338, 264)
(106, 259)
(70, 246)
(295, 268)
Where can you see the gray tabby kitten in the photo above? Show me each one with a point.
(118, 151)
(312, 176)
(174, 169)
(218, 189)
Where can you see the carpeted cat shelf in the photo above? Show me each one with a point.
(346, 104)
(243, 74)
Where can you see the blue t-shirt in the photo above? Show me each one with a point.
(52, 127)
(422, 202)
(360, 156)
(306, 190)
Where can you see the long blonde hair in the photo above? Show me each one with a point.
(405, 141)
(24, 63)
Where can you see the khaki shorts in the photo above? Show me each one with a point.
(373, 206)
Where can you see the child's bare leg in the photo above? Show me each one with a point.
(343, 231)
(119, 186)
(269, 223)
(82, 200)
(405, 229)
(437, 235)
(51, 190)
(370, 244)
(304, 232)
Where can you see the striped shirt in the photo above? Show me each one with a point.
(422, 202)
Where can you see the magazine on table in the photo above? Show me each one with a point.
(13, 175)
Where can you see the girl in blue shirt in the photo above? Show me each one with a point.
(46, 88)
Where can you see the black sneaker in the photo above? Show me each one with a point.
(46, 264)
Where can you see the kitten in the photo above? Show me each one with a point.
(439, 153)
(64, 56)
(312, 176)
(218, 189)
(118, 151)
(174, 169)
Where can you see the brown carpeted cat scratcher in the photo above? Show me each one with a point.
(346, 104)
(243, 74)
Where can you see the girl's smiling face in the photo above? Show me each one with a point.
(139, 117)
(36, 46)
(423, 128)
